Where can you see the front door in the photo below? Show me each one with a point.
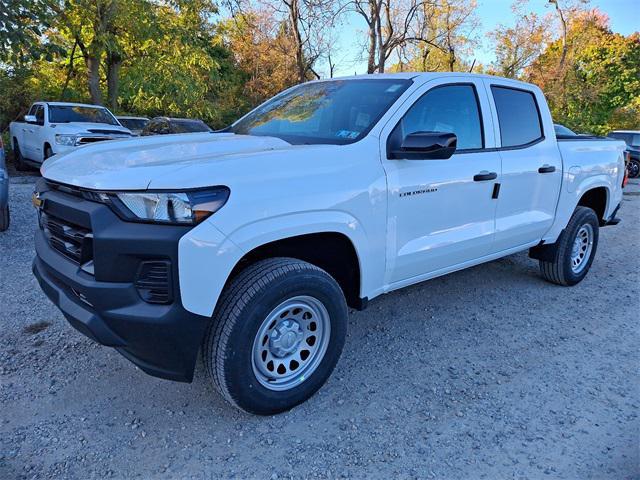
(33, 135)
(441, 213)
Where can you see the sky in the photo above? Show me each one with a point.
(624, 16)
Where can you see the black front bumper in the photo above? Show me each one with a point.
(162, 339)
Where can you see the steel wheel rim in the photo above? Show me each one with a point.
(634, 169)
(581, 249)
(291, 343)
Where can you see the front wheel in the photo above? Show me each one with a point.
(574, 250)
(276, 335)
(21, 166)
(4, 218)
(633, 168)
(47, 152)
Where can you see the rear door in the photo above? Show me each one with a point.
(531, 165)
(441, 212)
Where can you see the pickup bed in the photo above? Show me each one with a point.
(56, 127)
(249, 244)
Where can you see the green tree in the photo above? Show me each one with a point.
(592, 81)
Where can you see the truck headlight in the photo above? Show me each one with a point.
(68, 140)
(190, 207)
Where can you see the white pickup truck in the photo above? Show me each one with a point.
(249, 244)
(56, 127)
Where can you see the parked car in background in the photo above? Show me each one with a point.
(55, 127)
(247, 245)
(632, 139)
(135, 124)
(166, 125)
(562, 131)
(4, 190)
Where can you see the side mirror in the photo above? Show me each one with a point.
(427, 146)
(30, 119)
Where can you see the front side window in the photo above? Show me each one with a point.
(40, 115)
(69, 113)
(517, 116)
(447, 109)
(332, 112)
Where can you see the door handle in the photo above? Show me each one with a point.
(484, 176)
(547, 169)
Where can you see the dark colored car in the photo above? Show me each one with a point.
(4, 191)
(135, 124)
(632, 139)
(166, 125)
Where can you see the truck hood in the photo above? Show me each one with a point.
(133, 164)
(87, 127)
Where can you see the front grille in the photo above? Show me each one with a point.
(154, 281)
(72, 241)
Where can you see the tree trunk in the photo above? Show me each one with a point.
(294, 18)
(114, 62)
(563, 24)
(93, 73)
(92, 61)
(373, 36)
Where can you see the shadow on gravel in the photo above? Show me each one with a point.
(35, 328)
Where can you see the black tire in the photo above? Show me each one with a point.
(560, 271)
(47, 152)
(18, 159)
(633, 168)
(243, 307)
(4, 218)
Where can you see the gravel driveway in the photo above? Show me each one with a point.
(486, 373)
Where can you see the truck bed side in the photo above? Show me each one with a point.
(588, 163)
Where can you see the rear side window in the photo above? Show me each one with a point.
(518, 116)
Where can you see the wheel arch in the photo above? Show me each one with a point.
(597, 199)
(332, 251)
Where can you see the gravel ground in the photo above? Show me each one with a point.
(486, 373)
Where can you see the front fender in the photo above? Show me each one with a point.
(207, 256)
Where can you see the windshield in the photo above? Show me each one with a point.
(188, 126)
(334, 112)
(69, 113)
(133, 123)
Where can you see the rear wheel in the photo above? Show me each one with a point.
(574, 250)
(276, 335)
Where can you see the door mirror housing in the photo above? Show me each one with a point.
(30, 119)
(426, 146)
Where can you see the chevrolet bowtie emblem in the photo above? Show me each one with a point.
(36, 200)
